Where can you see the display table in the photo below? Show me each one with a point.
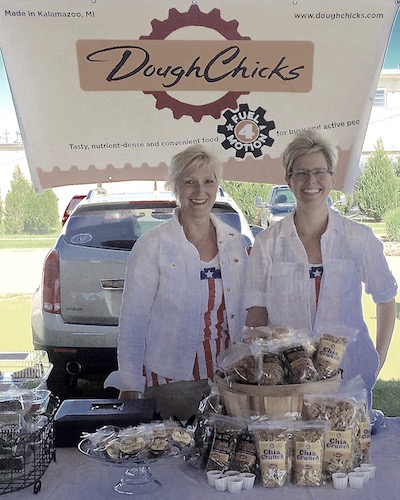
(75, 476)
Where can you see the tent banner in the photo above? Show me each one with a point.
(110, 91)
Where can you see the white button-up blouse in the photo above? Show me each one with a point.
(278, 278)
(160, 312)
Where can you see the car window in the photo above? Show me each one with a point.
(283, 196)
(117, 228)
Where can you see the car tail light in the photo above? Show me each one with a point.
(51, 283)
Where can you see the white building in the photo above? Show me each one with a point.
(384, 120)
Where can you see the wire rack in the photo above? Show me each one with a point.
(28, 455)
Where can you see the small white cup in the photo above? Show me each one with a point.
(356, 480)
(339, 480)
(232, 473)
(212, 475)
(235, 484)
(372, 469)
(221, 482)
(248, 480)
(365, 471)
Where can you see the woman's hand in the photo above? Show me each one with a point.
(257, 316)
(130, 395)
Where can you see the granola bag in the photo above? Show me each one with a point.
(274, 449)
(362, 421)
(308, 447)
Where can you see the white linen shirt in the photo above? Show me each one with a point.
(278, 279)
(160, 318)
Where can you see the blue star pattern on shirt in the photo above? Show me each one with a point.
(316, 272)
(210, 273)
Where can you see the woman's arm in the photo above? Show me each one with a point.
(385, 319)
(257, 316)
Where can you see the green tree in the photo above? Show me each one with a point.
(26, 212)
(15, 203)
(397, 166)
(378, 189)
(41, 212)
(245, 194)
(1, 214)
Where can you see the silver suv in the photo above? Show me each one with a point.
(75, 309)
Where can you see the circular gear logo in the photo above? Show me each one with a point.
(246, 131)
(194, 17)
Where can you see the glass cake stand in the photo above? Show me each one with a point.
(138, 478)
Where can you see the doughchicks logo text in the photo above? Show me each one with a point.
(234, 65)
(246, 131)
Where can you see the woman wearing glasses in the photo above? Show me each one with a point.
(307, 270)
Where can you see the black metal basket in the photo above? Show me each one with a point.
(25, 458)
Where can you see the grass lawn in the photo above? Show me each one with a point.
(8, 241)
(15, 326)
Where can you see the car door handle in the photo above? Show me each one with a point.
(112, 284)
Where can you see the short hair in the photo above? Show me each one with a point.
(196, 155)
(310, 141)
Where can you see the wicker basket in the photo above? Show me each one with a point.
(243, 400)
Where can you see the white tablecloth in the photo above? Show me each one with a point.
(74, 476)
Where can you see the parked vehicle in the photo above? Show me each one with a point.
(75, 200)
(280, 203)
(75, 310)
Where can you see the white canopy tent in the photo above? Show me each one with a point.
(110, 91)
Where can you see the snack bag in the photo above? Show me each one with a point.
(308, 447)
(332, 343)
(329, 354)
(274, 449)
(362, 421)
(297, 353)
(226, 434)
(256, 334)
(245, 457)
(239, 364)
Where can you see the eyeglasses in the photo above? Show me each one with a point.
(318, 173)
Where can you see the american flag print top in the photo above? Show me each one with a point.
(214, 333)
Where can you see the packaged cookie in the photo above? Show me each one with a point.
(226, 433)
(135, 440)
(245, 457)
(300, 365)
(256, 334)
(271, 369)
(282, 332)
(239, 364)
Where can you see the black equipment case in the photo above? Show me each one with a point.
(75, 416)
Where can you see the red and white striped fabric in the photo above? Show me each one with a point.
(214, 333)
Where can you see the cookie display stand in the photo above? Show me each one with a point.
(138, 478)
